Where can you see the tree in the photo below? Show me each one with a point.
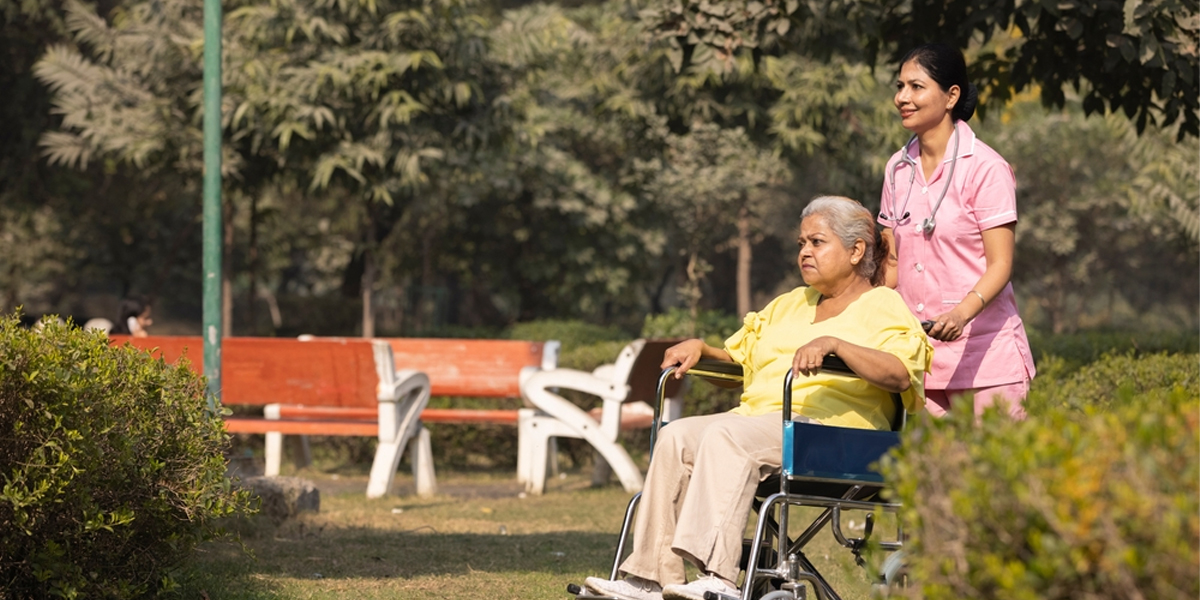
(361, 96)
(1141, 57)
(709, 181)
(71, 233)
(1087, 243)
(1138, 56)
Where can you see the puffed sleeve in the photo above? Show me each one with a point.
(911, 346)
(893, 329)
(740, 345)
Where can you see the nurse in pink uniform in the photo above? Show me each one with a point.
(949, 211)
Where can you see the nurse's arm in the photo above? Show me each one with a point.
(890, 266)
(998, 246)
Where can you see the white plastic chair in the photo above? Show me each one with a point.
(623, 395)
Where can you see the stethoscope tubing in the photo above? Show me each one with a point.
(928, 224)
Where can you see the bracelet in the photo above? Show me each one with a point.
(980, 298)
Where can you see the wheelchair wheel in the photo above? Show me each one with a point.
(895, 571)
(782, 595)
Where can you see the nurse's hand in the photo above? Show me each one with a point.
(948, 327)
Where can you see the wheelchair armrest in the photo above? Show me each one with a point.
(717, 369)
(834, 364)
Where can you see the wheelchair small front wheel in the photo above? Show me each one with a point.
(895, 571)
(781, 595)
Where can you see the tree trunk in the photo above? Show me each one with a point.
(252, 265)
(368, 282)
(368, 275)
(744, 255)
(692, 291)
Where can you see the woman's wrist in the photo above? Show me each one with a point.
(966, 306)
(982, 301)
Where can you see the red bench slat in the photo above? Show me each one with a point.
(301, 426)
(429, 415)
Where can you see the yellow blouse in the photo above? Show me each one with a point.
(879, 319)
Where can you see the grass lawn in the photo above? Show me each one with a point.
(479, 538)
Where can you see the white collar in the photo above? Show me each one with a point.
(966, 144)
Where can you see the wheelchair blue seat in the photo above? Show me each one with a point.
(834, 454)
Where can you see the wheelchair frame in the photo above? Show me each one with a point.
(835, 477)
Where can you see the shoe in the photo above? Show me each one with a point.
(695, 590)
(630, 588)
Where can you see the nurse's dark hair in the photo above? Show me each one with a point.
(850, 222)
(946, 65)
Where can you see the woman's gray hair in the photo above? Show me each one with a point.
(850, 222)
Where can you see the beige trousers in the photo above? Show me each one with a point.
(698, 494)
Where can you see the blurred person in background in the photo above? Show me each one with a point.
(133, 317)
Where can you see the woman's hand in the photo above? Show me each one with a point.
(809, 357)
(685, 354)
(876, 367)
(949, 326)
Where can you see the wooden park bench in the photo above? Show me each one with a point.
(441, 367)
(473, 368)
(305, 389)
(333, 374)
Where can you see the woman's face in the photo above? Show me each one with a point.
(922, 103)
(144, 319)
(825, 263)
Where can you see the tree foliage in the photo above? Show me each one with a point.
(1083, 188)
(447, 162)
(704, 178)
(1138, 56)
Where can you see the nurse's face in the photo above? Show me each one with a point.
(922, 103)
(825, 264)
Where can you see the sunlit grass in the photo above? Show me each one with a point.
(479, 538)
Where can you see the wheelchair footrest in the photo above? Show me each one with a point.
(582, 593)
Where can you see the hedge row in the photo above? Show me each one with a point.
(1093, 496)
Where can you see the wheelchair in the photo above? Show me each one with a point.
(824, 467)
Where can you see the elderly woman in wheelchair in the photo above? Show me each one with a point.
(700, 487)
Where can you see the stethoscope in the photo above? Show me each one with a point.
(929, 223)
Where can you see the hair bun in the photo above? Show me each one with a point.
(964, 109)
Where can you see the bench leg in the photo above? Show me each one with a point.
(274, 451)
(525, 436)
(274, 444)
(537, 448)
(387, 458)
(420, 452)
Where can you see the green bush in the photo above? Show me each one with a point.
(1093, 496)
(1115, 379)
(110, 463)
(713, 326)
(571, 333)
(1075, 350)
